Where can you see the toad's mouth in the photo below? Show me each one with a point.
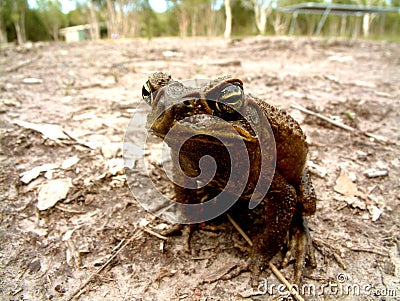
(183, 122)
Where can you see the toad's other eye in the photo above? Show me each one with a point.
(231, 99)
(147, 93)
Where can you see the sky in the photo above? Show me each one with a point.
(67, 5)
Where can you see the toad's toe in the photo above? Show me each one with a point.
(300, 247)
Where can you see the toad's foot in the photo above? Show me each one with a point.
(186, 231)
(254, 266)
(299, 247)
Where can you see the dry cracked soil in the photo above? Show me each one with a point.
(71, 228)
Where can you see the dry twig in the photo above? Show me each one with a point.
(340, 261)
(273, 268)
(20, 65)
(155, 234)
(237, 227)
(64, 208)
(95, 273)
(289, 286)
(360, 249)
(338, 124)
(220, 273)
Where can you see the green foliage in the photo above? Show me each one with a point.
(13, 19)
(169, 25)
(183, 17)
(37, 31)
(149, 23)
(52, 16)
(78, 16)
(243, 19)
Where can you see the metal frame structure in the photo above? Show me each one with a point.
(326, 9)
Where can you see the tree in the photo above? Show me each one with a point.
(78, 16)
(261, 13)
(150, 25)
(3, 33)
(52, 16)
(367, 18)
(94, 28)
(280, 23)
(197, 17)
(243, 18)
(17, 10)
(36, 31)
(228, 21)
(111, 21)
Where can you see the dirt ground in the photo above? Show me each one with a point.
(95, 244)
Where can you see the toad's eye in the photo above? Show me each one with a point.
(147, 93)
(231, 99)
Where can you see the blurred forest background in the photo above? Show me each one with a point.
(136, 18)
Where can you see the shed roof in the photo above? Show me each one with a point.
(75, 28)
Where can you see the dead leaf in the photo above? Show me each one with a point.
(68, 163)
(88, 115)
(143, 222)
(29, 175)
(352, 201)
(49, 174)
(68, 234)
(346, 187)
(318, 170)
(26, 225)
(52, 192)
(54, 132)
(375, 212)
(115, 166)
(111, 150)
(50, 131)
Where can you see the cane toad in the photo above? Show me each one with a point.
(290, 196)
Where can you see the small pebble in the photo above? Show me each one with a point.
(361, 155)
(375, 173)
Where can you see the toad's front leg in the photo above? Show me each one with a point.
(186, 195)
(279, 207)
(300, 243)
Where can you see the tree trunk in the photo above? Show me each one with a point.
(366, 24)
(111, 28)
(356, 28)
(22, 26)
(210, 25)
(228, 21)
(280, 26)
(343, 26)
(121, 20)
(334, 27)
(3, 32)
(183, 22)
(194, 23)
(20, 40)
(261, 14)
(94, 28)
